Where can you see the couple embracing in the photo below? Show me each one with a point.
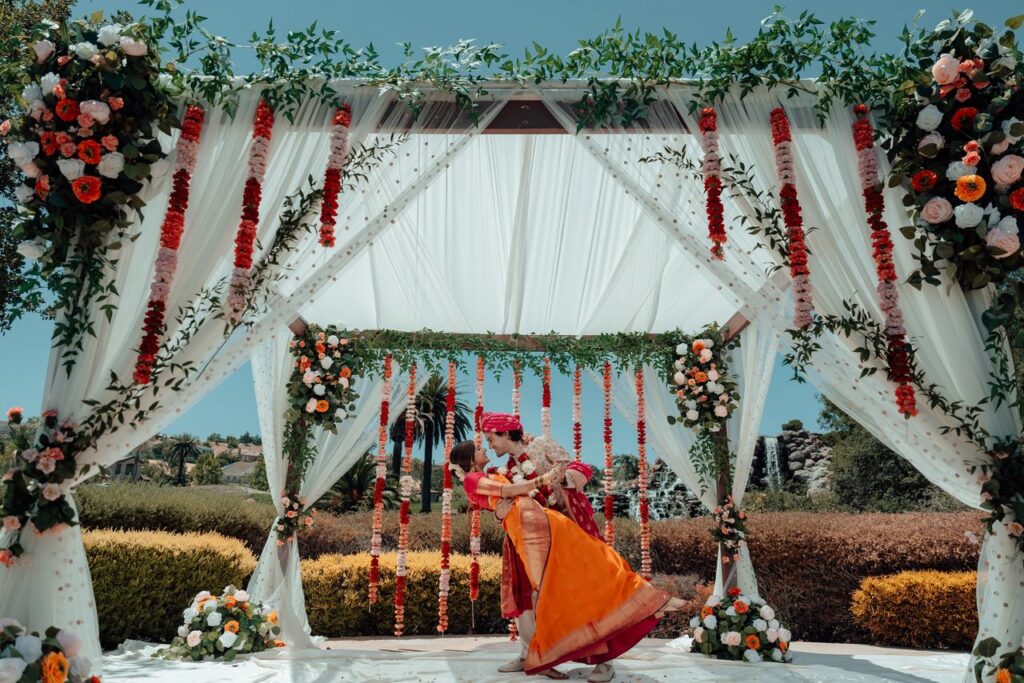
(573, 597)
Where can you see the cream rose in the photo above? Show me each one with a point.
(968, 215)
(937, 210)
(99, 111)
(958, 169)
(194, 638)
(132, 47)
(1007, 170)
(111, 165)
(732, 638)
(72, 169)
(109, 35)
(929, 118)
(43, 50)
(946, 69)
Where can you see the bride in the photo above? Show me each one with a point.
(591, 607)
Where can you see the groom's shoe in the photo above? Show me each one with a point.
(602, 673)
(517, 664)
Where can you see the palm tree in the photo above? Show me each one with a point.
(354, 491)
(183, 447)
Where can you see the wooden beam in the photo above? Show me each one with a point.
(298, 326)
(737, 323)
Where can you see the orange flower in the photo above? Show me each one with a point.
(1003, 676)
(322, 406)
(969, 188)
(67, 110)
(86, 189)
(783, 646)
(698, 346)
(90, 151)
(279, 643)
(346, 372)
(706, 610)
(272, 617)
(231, 626)
(753, 642)
(55, 668)
(230, 602)
(700, 376)
(304, 363)
(741, 607)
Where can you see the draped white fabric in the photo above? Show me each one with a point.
(277, 580)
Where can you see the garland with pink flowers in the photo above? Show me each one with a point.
(401, 567)
(170, 239)
(245, 238)
(517, 383)
(609, 466)
(641, 454)
(898, 349)
(711, 167)
(577, 413)
(332, 176)
(474, 529)
(792, 217)
(545, 401)
(444, 579)
(379, 483)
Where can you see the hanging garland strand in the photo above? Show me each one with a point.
(474, 529)
(609, 470)
(517, 382)
(545, 402)
(381, 479)
(577, 413)
(712, 170)
(641, 453)
(898, 355)
(401, 569)
(332, 176)
(446, 504)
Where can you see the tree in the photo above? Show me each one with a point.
(181, 448)
(232, 442)
(354, 491)
(207, 470)
(22, 289)
(259, 476)
(215, 437)
(246, 438)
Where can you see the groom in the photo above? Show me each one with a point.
(529, 459)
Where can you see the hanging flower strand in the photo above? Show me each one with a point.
(517, 383)
(545, 403)
(474, 529)
(446, 505)
(711, 167)
(898, 355)
(332, 176)
(170, 239)
(609, 470)
(793, 218)
(259, 152)
(381, 477)
(641, 454)
(401, 566)
(577, 413)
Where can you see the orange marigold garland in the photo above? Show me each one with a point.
(577, 413)
(332, 176)
(641, 453)
(793, 218)
(545, 404)
(401, 567)
(170, 239)
(245, 238)
(446, 505)
(474, 530)
(609, 468)
(381, 479)
(711, 167)
(898, 353)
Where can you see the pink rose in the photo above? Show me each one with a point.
(998, 239)
(5, 127)
(11, 523)
(972, 159)
(962, 95)
(946, 70)
(937, 210)
(68, 149)
(1015, 528)
(732, 638)
(51, 492)
(1007, 170)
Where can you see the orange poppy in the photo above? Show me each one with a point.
(90, 151)
(231, 626)
(66, 110)
(753, 642)
(322, 406)
(970, 188)
(700, 376)
(346, 372)
(86, 189)
(230, 602)
(706, 610)
(55, 668)
(698, 346)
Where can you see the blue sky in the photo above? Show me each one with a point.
(556, 25)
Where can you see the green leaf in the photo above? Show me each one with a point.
(1015, 22)
(987, 648)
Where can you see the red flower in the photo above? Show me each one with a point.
(963, 117)
(115, 103)
(924, 180)
(86, 189)
(42, 186)
(90, 151)
(1017, 199)
(343, 116)
(733, 592)
(67, 110)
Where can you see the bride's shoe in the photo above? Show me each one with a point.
(517, 664)
(602, 673)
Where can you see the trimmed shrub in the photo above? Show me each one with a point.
(337, 587)
(144, 579)
(922, 609)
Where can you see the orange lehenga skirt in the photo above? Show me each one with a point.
(591, 606)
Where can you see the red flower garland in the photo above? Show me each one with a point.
(446, 504)
(898, 352)
(381, 478)
(712, 170)
(577, 413)
(609, 470)
(401, 568)
(474, 530)
(641, 454)
(793, 218)
(252, 195)
(332, 176)
(170, 239)
(545, 401)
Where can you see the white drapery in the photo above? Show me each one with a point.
(277, 580)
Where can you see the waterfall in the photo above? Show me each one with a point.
(771, 463)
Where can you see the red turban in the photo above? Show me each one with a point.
(500, 422)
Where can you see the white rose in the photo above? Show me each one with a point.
(1008, 225)
(319, 389)
(111, 165)
(23, 193)
(694, 622)
(929, 118)
(132, 47)
(934, 138)
(43, 50)
(691, 405)
(200, 596)
(99, 111)
(679, 365)
(159, 169)
(713, 375)
(968, 215)
(32, 92)
(751, 656)
(11, 669)
(773, 623)
(29, 647)
(761, 625)
(71, 168)
(528, 467)
(772, 634)
(1007, 125)
(698, 634)
(731, 611)
(109, 35)
(241, 596)
(518, 479)
(209, 605)
(708, 343)
(227, 639)
(194, 638)
(682, 350)
(711, 621)
(70, 643)
(189, 614)
(692, 415)
(213, 620)
(959, 169)
(679, 378)
(333, 340)
(714, 601)
(182, 631)
(776, 655)
(22, 153)
(721, 411)
(326, 362)
(767, 613)
(31, 249)
(784, 635)
(47, 83)
(85, 51)
(340, 414)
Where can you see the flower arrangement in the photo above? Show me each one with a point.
(1002, 488)
(577, 413)
(711, 168)
(740, 628)
(705, 392)
(404, 511)
(294, 518)
(223, 627)
(729, 530)
(958, 153)
(1008, 668)
(545, 409)
(609, 463)
(321, 389)
(52, 658)
(332, 176)
(44, 466)
(641, 454)
(380, 473)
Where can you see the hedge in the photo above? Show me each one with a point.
(922, 609)
(144, 579)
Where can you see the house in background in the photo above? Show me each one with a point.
(238, 472)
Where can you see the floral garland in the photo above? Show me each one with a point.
(223, 627)
(446, 505)
(609, 465)
(898, 356)
(170, 239)
(712, 170)
(792, 217)
(577, 413)
(545, 409)
(381, 479)
(474, 528)
(705, 394)
(294, 518)
(53, 657)
(321, 388)
(740, 628)
(37, 483)
(517, 383)
(401, 568)
(332, 176)
(641, 454)
(245, 238)
(729, 530)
